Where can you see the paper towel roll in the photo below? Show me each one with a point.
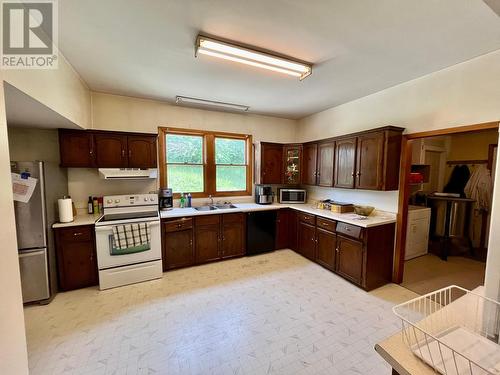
(65, 210)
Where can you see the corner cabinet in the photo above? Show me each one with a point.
(292, 159)
(107, 149)
(76, 257)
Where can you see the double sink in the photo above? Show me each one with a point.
(215, 207)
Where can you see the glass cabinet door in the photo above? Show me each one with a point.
(293, 155)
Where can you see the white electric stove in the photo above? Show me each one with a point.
(128, 268)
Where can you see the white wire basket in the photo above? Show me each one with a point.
(453, 330)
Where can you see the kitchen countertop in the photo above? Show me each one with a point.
(401, 359)
(375, 219)
(79, 219)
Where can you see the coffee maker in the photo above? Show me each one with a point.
(263, 194)
(166, 199)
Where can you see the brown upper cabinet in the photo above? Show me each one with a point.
(326, 157)
(292, 159)
(271, 163)
(370, 160)
(345, 163)
(141, 151)
(106, 149)
(377, 160)
(309, 176)
(111, 150)
(76, 148)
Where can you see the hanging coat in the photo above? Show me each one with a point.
(480, 188)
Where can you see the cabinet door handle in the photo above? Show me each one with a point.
(190, 242)
(358, 174)
(129, 153)
(77, 234)
(179, 225)
(123, 153)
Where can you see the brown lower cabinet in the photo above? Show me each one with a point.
(202, 239)
(178, 243)
(360, 255)
(349, 262)
(307, 240)
(326, 243)
(76, 257)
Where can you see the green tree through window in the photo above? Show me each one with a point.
(230, 160)
(184, 156)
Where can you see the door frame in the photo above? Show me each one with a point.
(404, 186)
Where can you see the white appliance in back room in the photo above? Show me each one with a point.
(417, 231)
(128, 240)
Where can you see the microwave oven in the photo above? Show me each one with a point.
(292, 195)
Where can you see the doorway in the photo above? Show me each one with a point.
(442, 225)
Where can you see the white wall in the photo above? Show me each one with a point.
(13, 353)
(492, 278)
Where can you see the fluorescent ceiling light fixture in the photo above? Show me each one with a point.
(210, 103)
(212, 47)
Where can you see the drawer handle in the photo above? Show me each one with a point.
(347, 229)
(179, 225)
(77, 234)
(326, 224)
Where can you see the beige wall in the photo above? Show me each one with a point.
(13, 354)
(33, 144)
(62, 90)
(473, 146)
(114, 112)
(467, 93)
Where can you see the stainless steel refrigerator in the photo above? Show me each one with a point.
(34, 219)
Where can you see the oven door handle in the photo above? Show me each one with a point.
(102, 228)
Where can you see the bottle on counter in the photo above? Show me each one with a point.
(90, 206)
(189, 198)
(96, 205)
(183, 201)
(100, 204)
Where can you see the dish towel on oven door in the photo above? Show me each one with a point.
(130, 238)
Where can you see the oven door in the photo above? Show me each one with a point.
(106, 258)
(292, 196)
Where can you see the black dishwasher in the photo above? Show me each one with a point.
(261, 231)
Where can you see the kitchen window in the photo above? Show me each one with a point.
(205, 163)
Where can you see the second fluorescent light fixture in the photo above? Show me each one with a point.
(244, 55)
(210, 103)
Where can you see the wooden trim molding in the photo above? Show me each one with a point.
(209, 166)
(458, 129)
(404, 186)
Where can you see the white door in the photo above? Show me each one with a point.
(435, 159)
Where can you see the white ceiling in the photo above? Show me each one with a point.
(25, 112)
(146, 48)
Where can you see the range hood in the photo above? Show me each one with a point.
(127, 173)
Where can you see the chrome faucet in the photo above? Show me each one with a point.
(211, 200)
